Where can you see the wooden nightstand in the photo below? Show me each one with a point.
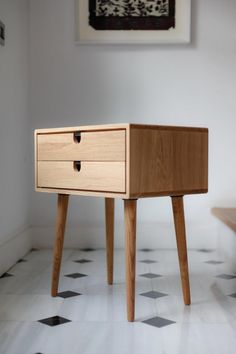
(127, 161)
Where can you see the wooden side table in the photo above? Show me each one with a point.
(127, 161)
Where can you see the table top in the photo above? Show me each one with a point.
(119, 126)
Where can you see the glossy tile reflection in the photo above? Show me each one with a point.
(88, 316)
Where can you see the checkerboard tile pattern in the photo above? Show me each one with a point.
(54, 321)
(85, 299)
(68, 294)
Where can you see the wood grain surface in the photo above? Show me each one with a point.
(62, 206)
(109, 216)
(130, 251)
(179, 221)
(93, 146)
(95, 176)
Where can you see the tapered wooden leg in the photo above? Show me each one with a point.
(62, 206)
(130, 250)
(109, 211)
(178, 212)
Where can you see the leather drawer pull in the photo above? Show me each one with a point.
(77, 136)
(77, 165)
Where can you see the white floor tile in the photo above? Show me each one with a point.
(98, 316)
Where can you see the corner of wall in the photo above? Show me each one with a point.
(16, 247)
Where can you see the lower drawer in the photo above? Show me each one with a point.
(86, 175)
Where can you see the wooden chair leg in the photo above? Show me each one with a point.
(62, 206)
(130, 249)
(109, 214)
(178, 212)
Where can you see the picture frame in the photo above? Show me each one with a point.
(100, 29)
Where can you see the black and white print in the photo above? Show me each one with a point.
(132, 14)
(123, 8)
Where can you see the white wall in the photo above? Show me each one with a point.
(14, 134)
(182, 85)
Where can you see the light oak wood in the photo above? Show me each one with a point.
(125, 161)
(78, 192)
(159, 160)
(109, 215)
(227, 216)
(168, 161)
(127, 164)
(93, 146)
(35, 159)
(97, 176)
(115, 127)
(83, 128)
(178, 212)
(130, 250)
(62, 206)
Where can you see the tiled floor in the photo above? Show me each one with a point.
(89, 317)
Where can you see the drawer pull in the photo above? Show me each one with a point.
(77, 165)
(77, 136)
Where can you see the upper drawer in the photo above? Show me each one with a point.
(93, 146)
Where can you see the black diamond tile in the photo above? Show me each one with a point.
(75, 275)
(205, 250)
(214, 262)
(146, 249)
(22, 260)
(233, 295)
(153, 294)
(54, 321)
(150, 275)
(148, 261)
(5, 275)
(67, 294)
(226, 276)
(82, 261)
(158, 322)
(88, 249)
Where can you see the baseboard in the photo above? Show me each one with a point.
(149, 235)
(14, 248)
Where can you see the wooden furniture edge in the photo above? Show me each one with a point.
(35, 160)
(127, 165)
(117, 127)
(221, 214)
(168, 127)
(116, 194)
(167, 193)
(83, 192)
(82, 128)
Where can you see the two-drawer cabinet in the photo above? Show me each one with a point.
(88, 160)
(127, 161)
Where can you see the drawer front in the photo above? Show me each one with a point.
(92, 176)
(92, 146)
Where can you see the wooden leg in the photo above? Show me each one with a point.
(178, 212)
(62, 205)
(109, 211)
(130, 249)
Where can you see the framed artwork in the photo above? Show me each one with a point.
(133, 21)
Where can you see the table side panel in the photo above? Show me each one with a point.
(166, 162)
